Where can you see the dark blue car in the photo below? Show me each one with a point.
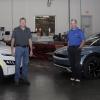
(90, 57)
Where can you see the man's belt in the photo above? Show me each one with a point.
(24, 46)
(74, 46)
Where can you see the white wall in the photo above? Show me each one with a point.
(75, 10)
(32, 8)
(93, 9)
(5, 14)
(56, 9)
(59, 8)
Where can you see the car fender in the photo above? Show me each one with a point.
(85, 57)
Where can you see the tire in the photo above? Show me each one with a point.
(91, 67)
(1, 75)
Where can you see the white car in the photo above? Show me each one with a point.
(7, 61)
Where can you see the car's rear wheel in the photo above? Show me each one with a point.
(91, 67)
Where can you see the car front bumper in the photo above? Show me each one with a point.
(8, 70)
(62, 62)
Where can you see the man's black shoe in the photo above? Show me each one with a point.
(16, 83)
(25, 82)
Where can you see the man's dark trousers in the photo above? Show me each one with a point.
(74, 53)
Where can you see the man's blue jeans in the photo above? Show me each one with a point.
(21, 57)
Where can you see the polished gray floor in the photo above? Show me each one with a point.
(47, 83)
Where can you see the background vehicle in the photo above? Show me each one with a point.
(90, 58)
(43, 49)
(7, 61)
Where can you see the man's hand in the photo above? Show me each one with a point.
(82, 44)
(31, 53)
(31, 47)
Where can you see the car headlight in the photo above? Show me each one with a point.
(9, 62)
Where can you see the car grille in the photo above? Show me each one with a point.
(9, 62)
(61, 55)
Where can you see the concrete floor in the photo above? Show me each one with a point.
(48, 84)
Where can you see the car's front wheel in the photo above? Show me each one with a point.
(91, 67)
(1, 74)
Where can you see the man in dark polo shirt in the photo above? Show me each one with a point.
(76, 41)
(21, 38)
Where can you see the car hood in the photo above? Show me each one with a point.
(88, 50)
(5, 50)
(5, 53)
(62, 50)
(85, 50)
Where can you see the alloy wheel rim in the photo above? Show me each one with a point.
(93, 68)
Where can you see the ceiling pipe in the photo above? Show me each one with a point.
(69, 13)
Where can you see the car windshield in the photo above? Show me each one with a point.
(89, 42)
(2, 43)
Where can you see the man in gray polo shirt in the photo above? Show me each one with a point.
(21, 38)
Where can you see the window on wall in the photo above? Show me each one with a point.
(45, 25)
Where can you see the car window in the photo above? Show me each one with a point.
(96, 35)
(96, 43)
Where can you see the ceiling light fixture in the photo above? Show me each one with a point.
(49, 2)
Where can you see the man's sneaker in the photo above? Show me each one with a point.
(72, 79)
(77, 80)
